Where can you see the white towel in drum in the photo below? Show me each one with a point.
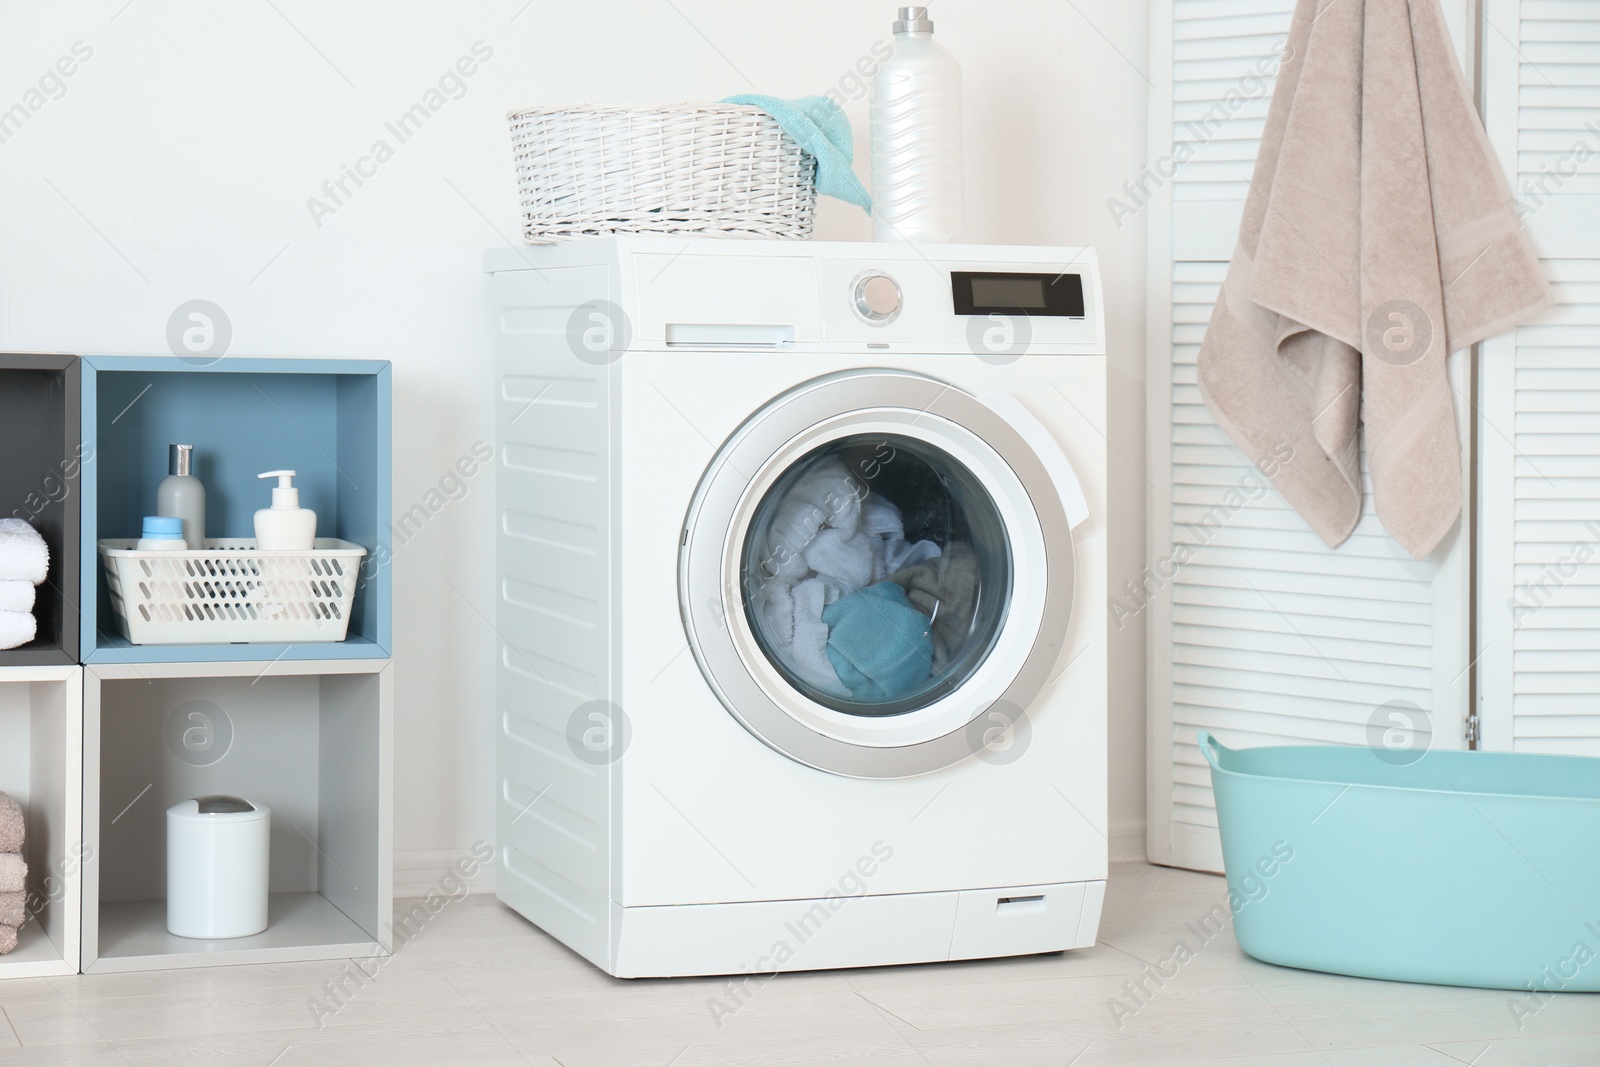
(791, 617)
(881, 521)
(824, 497)
(846, 561)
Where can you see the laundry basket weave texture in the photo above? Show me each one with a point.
(715, 170)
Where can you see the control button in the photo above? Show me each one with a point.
(877, 298)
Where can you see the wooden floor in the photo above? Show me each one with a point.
(479, 986)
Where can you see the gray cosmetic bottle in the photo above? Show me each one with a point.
(181, 496)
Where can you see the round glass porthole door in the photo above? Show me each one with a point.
(876, 574)
(873, 561)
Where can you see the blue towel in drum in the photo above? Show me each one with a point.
(880, 646)
(822, 130)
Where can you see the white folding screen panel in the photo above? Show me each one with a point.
(1257, 630)
(1539, 409)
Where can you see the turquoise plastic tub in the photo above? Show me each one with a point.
(1460, 868)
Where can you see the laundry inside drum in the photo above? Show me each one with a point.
(876, 574)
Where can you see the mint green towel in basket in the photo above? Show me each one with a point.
(822, 130)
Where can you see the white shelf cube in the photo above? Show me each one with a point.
(41, 766)
(310, 740)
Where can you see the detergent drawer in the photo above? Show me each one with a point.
(774, 297)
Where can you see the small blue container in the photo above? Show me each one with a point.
(162, 528)
(1457, 868)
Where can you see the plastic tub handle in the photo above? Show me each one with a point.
(1210, 748)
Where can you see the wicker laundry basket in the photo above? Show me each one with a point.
(713, 170)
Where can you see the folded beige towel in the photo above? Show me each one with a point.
(1378, 237)
(13, 873)
(8, 939)
(11, 825)
(13, 908)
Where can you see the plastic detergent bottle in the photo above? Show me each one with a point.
(916, 138)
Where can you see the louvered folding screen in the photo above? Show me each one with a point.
(1539, 476)
(1257, 631)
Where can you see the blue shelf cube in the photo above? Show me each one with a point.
(328, 419)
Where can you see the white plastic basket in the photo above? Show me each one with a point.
(716, 170)
(231, 592)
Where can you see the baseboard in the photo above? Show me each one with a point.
(420, 871)
(1128, 841)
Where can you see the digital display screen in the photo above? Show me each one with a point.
(999, 290)
(1058, 294)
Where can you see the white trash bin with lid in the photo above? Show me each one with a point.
(217, 863)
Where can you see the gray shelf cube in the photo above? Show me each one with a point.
(41, 460)
(310, 740)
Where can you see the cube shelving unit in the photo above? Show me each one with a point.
(40, 466)
(99, 737)
(327, 419)
(309, 740)
(41, 766)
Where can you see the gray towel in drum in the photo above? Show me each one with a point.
(945, 589)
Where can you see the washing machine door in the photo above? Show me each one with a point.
(876, 573)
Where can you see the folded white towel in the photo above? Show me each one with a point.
(17, 628)
(16, 595)
(23, 555)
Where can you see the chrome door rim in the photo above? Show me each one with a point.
(712, 603)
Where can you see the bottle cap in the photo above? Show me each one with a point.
(163, 528)
(913, 20)
(285, 495)
(179, 459)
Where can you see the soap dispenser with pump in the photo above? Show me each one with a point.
(285, 526)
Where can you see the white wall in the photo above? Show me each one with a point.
(178, 162)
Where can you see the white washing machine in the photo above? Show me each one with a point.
(801, 587)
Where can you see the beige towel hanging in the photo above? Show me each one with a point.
(1378, 237)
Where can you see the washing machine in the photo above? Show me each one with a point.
(801, 586)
